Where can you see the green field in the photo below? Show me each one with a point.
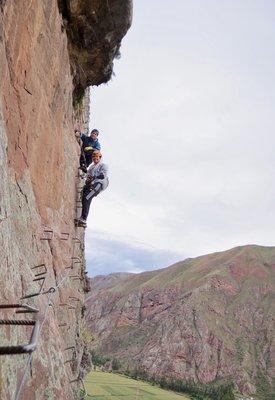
(108, 386)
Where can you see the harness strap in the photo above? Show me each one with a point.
(94, 192)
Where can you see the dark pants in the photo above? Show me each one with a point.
(93, 191)
(85, 160)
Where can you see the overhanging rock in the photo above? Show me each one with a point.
(95, 29)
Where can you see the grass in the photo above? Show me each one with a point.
(109, 386)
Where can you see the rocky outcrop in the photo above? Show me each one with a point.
(203, 319)
(39, 186)
(95, 29)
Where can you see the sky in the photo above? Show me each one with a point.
(187, 130)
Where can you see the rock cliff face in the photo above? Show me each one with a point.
(203, 319)
(38, 191)
(95, 30)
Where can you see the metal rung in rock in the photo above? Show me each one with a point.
(11, 306)
(40, 272)
(47, 234)
(76, 260)
(22, 311)
(28, 296)
(74, 298)
(76, 240)
(40, 269)
(74, 277)
(40, 279)
(64, 236)
(70, 306)
(74, 380)
(5, 350)
(69, 361)
(16, 322)
(73, 354)
(24, 348)
(25, 307)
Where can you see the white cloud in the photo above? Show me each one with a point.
(187, 128)
(106, 253)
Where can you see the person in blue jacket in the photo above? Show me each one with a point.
(89, 144)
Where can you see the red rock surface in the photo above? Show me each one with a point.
(38, 190)
(206, 318)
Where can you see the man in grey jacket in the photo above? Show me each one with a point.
(96, 181)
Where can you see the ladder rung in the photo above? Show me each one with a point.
(12, 350)
(16, 322)
(28, 296)
(16, 349)
(40, 273)
(69, 361)
(23, 308)
(39, 279)
(10, 305)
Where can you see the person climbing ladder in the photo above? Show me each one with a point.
(96, 181)
(89, 145)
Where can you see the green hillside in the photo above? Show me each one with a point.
(208, 320)
(108, 386)
(193, 271)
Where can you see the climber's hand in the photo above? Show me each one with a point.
(88, 180)
(77, 133)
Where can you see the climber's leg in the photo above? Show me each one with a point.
(89, 160)
(87, 195)
(82, 161)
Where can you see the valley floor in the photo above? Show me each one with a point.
(108, 386)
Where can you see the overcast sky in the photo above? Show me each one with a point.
(187, 129)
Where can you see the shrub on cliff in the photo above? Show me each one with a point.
(265, 389)
(116, 365)
(98, 360)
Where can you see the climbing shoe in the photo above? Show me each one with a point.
(83, 169)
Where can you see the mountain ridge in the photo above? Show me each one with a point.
(203, 318)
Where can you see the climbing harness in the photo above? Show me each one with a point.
(94, 191)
